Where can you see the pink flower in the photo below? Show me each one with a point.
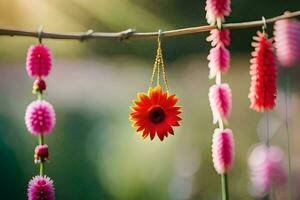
(222, 150)
(219, 58)
(41, 153)
(219, 37)
(287, 41)
(40, 187)
(266, 168)
(40, 117)
(38, 61)
(220, 101)
(217, 9)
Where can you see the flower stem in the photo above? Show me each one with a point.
(221, 124)
(218, 78)
(41, 142)
(287, 99)
(42, 168)
(41, 139)
(224, 181)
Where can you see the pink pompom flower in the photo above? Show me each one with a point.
(287, 41)
(40, 187)
(266, 168)
(41, 153)
(220, 101)
(219, 58)
(39, 62)
(40, 117)
(217, 9)
(219, 37)
(223, 150)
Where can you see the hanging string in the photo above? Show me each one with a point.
(158, 56)
(40, 34)
(40, 97)
(153, 72)
(218, 78)
(159, 66)
(268, 128)
(287, 103)
(264, 26)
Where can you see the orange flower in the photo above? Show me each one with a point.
(155, 113)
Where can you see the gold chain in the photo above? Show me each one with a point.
(159, 66)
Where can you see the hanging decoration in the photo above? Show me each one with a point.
(265, 161)
(40, 118)
(287, 44)
(263, 74)
(156, 112)
(220, 93)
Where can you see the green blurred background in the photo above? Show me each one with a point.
(95, 153)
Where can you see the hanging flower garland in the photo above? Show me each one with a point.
(156, 112)
(220, 94)
(40, 119)
(265, 161)
(287, 45)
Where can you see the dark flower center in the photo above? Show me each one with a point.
(156, 114)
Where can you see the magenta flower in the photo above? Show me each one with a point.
(287, 41)
(41, 153)
(219, 58)
(219, 37)
(217, 9)
(38, 61)
(40, 188)
(220, 101)
(266, 168)
(40, 117)
(222, 150)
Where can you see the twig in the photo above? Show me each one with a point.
(131, 33)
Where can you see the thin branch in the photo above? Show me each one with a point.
(131, 33)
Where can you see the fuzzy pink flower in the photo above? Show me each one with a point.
(217, 9)
(38, 62)
(40, 188)
(219, 37)
(222, 150)
(287, 41)
(41, 153)
(220, 101)
(40, 117)
(266, 168)
(219, 58)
